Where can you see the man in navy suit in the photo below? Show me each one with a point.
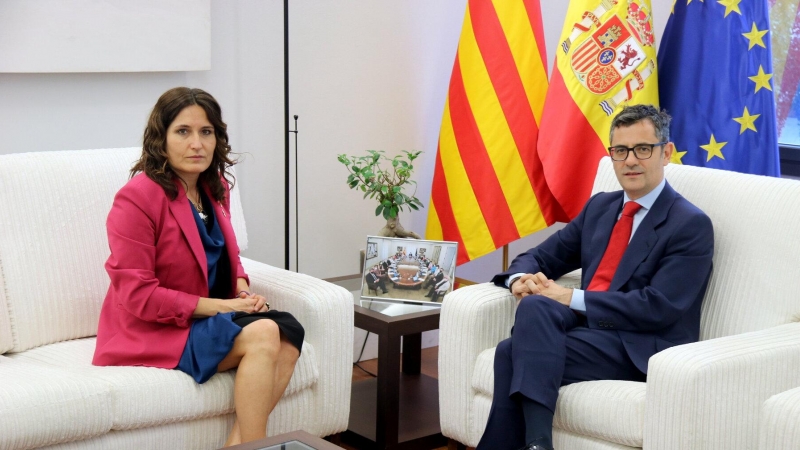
(650, 299)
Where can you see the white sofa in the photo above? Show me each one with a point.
(53, 245)
(701, 396)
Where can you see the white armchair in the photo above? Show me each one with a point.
(53, 207)
(780, 422)
(701, 396)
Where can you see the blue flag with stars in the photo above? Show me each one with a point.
(715, 79)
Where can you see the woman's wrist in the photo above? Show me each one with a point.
(245, 292)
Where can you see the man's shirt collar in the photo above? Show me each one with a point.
(648, 200)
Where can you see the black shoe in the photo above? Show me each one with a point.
(385, 292)
(535, 447)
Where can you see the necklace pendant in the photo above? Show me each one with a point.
(203, 216)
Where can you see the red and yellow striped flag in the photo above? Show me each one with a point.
(605, 58)
(487, 185)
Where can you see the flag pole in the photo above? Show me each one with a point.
(505, 257)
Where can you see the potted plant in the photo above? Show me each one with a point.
(385, 185)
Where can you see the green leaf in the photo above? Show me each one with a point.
(384, 189)
(393, 212)
(353, 184)
(379, 210)
(414, 207)
(396, 189)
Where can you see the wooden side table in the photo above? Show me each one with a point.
(398, 410)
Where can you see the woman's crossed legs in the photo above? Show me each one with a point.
(265, 361)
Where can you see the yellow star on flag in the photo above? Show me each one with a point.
(676, 156)
(730, 6)
(747, 121)
(761, 79)
(755, 36)
(714, 148)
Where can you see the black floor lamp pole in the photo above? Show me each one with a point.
(286, 116)
(296, 201)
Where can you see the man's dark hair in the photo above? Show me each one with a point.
(636, 113)
(154, 161)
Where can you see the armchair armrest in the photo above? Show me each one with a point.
(326, 313)
(708, 395)
(473, 319)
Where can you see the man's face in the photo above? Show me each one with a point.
(640, 176)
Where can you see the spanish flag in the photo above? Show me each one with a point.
(488, 188)
(605, 59)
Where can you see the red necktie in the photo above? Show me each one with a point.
(616, 248)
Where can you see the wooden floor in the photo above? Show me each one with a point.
(430, 367)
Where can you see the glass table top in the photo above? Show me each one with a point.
(291, 445)
(393, 308)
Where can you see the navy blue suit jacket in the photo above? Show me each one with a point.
(655, 296)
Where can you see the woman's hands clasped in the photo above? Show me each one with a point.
(250, 303)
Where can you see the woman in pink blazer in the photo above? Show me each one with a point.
(179, 297)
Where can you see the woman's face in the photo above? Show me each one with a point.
(190, 143)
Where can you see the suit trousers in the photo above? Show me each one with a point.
(550, 347)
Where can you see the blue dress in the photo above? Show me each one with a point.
(210, 339)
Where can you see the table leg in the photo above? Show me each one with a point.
(386, 426)
(412, 353)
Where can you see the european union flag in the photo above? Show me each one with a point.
(715, 79)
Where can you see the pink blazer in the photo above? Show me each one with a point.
(158, 272)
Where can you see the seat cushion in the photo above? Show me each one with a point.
(47, 405)
(608, 410)
(146, 396)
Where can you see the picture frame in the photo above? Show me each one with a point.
(408, 270)
(372, 249)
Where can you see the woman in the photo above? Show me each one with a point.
(179, 297)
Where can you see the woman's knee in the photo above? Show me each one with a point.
(262, 335)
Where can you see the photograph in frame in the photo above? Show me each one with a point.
(408, 270)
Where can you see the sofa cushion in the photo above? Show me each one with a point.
(146, 396)
(608, 410)
(53, 218)
(47, 405)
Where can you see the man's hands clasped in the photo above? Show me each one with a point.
(539, 284)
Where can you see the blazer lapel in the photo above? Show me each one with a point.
(183, 215)
(600, 238)
(644, 239)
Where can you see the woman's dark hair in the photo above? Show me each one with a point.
(154, 161)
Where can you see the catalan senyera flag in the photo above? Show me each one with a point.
(716, 82)
(605, 59)
(487, 185)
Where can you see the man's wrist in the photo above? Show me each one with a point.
(511, 282)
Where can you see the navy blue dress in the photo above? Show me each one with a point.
(211, 339)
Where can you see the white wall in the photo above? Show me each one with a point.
(364, 75)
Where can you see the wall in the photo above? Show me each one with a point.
(364, 75)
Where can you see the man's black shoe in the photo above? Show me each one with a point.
(533, 446)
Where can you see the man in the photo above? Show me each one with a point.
(439, 289)
(645, 271)
(374, 281)
(433, 279)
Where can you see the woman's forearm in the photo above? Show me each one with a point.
(207, 307)
(241, 285)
